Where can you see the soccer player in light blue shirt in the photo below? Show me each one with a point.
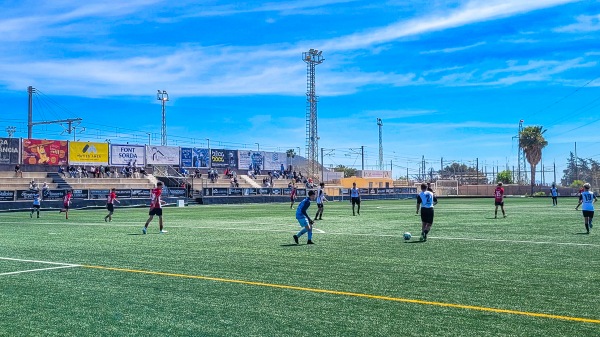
(554, 193)
(303, 219)
(36, 204)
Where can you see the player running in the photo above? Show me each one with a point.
(320, 199)
(355, 198)
(36, 204)
(156, 208)
(66, 203)
(426, 199)
(586, 201)
(110, 204)
(293, 196)
(303, 218)
(499, 200)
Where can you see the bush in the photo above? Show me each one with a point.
(539, 194)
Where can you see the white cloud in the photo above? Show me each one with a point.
(585, 23)
(453, 50)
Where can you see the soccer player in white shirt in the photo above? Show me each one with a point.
(320, 199)
(586, 201)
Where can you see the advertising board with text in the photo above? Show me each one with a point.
(162, 155)
(88, 153)
(221, 158)
(127, 155)
(9, 150)
(195, 157)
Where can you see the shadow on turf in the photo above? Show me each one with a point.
(292, 245)
(415, 241)
(582, 233)
(141, 233)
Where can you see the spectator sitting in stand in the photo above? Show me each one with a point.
(197, 173)
(18, 172)
(184, 172)
(61, 171)
(143, 172)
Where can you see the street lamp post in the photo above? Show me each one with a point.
(257, 147)
(163, 97)
(148, 133)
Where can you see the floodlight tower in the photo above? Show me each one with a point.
(163, 97)
(380, 124)
(522, 168)
(312, 58)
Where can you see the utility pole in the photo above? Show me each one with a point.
(30, 123)
(554, 169)
(362, 154)
(576, 164)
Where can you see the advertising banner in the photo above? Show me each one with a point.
(251, 160)
(88, 153)
(220, 192)
(273, 161)
(127, 155)
(177, 192)
(235, 191)
(220, 158)
(9, 150)
(140, 193)
(78, 194)
(7, 195)
(250, 191)
(99, 194)
(47, 152)
(194, 157)
(123, 194)
(162, 155)
(374, 174)
(51, 195)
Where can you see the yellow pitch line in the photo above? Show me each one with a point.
(344, 293)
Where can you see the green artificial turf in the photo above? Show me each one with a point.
(535, 261)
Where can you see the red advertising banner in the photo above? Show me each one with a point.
(45, 152)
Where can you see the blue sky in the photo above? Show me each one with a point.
(450, 78)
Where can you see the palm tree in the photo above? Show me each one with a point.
(291, 154)
(532, 141)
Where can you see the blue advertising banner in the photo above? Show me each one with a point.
(195, 157)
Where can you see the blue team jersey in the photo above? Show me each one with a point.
(36, 199)
(554, 192)
(302, 208)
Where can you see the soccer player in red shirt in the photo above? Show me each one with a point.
(156, 208)
(66, 203)
(293, 196)
(499, 200)
(110, 204)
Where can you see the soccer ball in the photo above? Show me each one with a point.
(407, 236)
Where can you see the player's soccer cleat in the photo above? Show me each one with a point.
(295, 239)
(163, 231)
(320, 218)
(143, 230)
(105, 219)
(309, 242)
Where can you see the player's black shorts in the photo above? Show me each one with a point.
(499, 203)
(588, 214)
(110, 207)
(155, 211)
(320, 205)
(355, 200)
(36, 206)
(427, 215)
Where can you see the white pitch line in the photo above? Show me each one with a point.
(39, 261)
(40, 269)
